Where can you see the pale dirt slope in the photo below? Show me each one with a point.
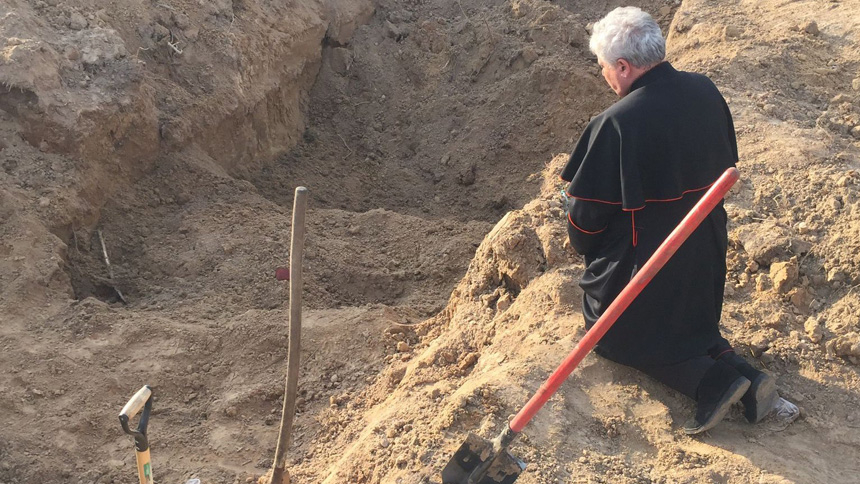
(429, 133)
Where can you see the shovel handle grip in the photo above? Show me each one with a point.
(136, 402)
(656, 262)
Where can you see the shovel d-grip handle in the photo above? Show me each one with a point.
(656, 262)
(141, 400)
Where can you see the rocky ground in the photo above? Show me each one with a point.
(439, 291)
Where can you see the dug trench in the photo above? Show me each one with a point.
(438, 290)
(408, 132)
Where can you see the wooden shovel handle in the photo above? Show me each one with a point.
(144, 467)
(297, 243)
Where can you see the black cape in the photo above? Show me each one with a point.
(636, 171)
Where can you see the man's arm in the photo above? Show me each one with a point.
(586, 223)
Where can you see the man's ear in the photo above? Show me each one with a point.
(623, 66)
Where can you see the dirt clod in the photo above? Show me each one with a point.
(784, 275)
(810, 27)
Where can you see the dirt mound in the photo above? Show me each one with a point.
(439, 289)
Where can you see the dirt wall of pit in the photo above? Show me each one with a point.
(96, 94)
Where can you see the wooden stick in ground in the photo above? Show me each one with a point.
(297, 242)
(109, 268)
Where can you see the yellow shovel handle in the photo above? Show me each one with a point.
(144, 467)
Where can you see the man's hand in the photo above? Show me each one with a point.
(565, 200)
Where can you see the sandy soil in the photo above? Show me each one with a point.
(439, 290)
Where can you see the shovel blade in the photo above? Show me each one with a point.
(475, 451)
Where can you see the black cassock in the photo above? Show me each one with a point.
(637, 170)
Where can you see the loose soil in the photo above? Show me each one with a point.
(439, 291)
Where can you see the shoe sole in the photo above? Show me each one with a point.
(732, 396)
(765, 395)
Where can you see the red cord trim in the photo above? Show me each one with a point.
(633, 221)
(593, 200)
(583, 230)
(730, 350)
(684, 193)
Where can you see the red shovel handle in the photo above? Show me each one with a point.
(663, 253)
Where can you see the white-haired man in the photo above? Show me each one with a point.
(636, 171)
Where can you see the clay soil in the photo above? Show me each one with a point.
(439, 291)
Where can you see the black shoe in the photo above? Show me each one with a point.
(760, 399)
(720, 388)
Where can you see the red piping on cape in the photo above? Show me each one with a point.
(730, 350)
(583, 230)
(633, 221)
(646, 201)
(593, 200)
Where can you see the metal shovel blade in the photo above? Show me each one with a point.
(504, 468)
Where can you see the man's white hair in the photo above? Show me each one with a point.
(628, 33)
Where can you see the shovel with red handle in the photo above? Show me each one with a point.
(482, 461)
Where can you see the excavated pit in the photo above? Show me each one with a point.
(414, 132)
(419, 132)
(438, 292)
